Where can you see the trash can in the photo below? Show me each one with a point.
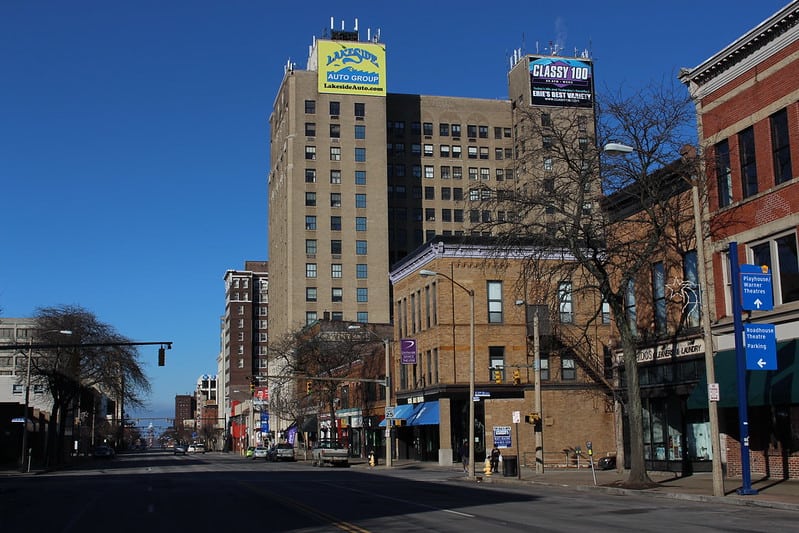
(510, 465)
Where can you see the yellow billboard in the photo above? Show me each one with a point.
(349, 67)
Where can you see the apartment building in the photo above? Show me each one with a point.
(243, 361)
(747, 101)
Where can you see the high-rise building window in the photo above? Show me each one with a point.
(457, 173)
(310, 317)
(360, 109)
(335, 246)
(335, 130)
(472, 151)
(310, 294)
(360, 155)
(360, 201)
(429, 172)
(360, 247)
(336, 270)
(310, 107)
(360, 177)
(335, 153)
(310, 222)
(310, 152)
(335, 177)
(457, 151)
(310, 199)
(781, 147)
(446, 193)
(416, 128)
(335, 109)
(456, 130)
(746, 148)
(335, 223)
(362, 294)
(310, 175)
(310, 129)
(427, 128)
(362, 317)
(546, 120)
(443, 129)
(471, 131)
(428, 150)
(361, 271)
(360, 131)
(310, 270)
(310, 246)
(335, 199)
(336, 294)
(360, 223)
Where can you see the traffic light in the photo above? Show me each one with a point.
(517, 377)
(308, 385)
(161, 356)
(252, 388)
(497, 376)
(532, 418)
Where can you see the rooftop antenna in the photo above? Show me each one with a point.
(368, 34)
(356, 24)
(332, 27)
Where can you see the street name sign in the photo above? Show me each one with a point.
(756, 289)
(760, 342)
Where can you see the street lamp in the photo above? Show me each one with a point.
(537, 426)
(470, 292)
(23, 454)
(386, 384)
(713, 414)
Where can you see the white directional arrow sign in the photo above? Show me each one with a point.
(760, 342)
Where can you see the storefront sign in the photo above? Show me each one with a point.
(668, 351)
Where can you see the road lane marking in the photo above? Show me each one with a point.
(400, 500)
(342, 525)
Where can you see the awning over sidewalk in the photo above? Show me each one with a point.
(425, 414)
(401, 412)
(764, 387)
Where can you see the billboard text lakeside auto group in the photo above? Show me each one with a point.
(352, 68)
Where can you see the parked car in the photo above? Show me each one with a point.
(281, 452)
(259, 452)
(606, 463)
(103, 452)
(250, 451)
(196, 448)
(180, 449)
(329, 452)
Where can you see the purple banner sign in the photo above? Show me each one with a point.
(408, 351)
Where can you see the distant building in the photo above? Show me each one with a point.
(185, 407)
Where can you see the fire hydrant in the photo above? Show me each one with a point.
(372, 460)
(487, 467)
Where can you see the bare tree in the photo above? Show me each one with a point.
(72, 368)
(605, 217)
(320, 357)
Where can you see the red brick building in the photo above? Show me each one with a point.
(746, 98)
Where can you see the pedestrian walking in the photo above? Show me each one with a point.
(495, 456)
(465, 455)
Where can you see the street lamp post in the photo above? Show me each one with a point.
(539, 438)
(387, 385)
(470, 292)
(713, 413)
(24, 453)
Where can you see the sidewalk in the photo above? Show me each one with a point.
(774, 493)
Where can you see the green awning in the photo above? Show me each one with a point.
(764, 387)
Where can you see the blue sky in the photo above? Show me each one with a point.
(134, 139)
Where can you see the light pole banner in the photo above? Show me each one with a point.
(408, 351)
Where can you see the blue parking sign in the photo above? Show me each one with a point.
(760, 342)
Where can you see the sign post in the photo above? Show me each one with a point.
(751, 289)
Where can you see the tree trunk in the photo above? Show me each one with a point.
(638, 475)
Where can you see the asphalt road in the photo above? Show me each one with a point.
(160, 492)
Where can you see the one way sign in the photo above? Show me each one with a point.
(760, 341)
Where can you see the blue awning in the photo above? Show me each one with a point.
(402, 412)
(425, 414)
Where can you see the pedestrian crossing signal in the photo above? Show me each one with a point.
(498, 376)
(308, 386)
(517, 377)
